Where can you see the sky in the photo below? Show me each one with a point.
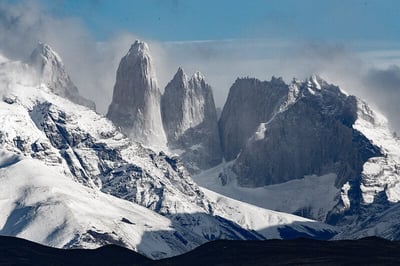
(188, 20)
(352, 43)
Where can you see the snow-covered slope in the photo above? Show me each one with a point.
(380, 173)
(378, 211)
(270, 224)
(40, 204)
(312, 197)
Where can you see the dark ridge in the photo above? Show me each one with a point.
(301, 251)
(16, 251)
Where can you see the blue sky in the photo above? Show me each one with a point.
(184, 20)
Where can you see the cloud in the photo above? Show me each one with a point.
(383, 87)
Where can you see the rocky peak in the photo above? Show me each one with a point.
(51, 70)
(180, 80)
(135, 105)
(190, 120)
(180, 73)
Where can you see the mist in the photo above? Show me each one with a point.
(92, 64)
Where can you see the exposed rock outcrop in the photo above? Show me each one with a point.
(190, 121)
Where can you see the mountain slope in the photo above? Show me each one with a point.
(46, 207)
(270, 224)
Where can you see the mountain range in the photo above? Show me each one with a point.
(161, 173)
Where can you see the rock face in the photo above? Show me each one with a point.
(135, 105)
(190, 121)
(283, 132)
(249, 103)
(51, 70)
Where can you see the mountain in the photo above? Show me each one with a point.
(300, 129)
(310, 149)
(190, 121)
(71, 179)
(135, 105)
(51, 71)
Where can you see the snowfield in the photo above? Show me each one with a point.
(266, 222)
(312, 196)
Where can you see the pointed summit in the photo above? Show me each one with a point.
(190, 121)
(139, 47)
(51, 71)
(180, 74)
(135, 105)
